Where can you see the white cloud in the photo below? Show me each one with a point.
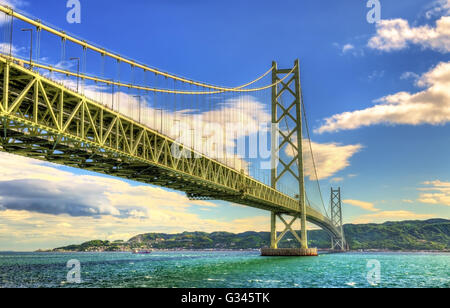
(348, 49)
(37, 208)
(437, 192)
(384, 216)
(329, 158)
(50, 207)
(397, 34)
(38, 187)
(368, 206)
(407, 201)
(409, 75)
(21, 230)
(430, 106)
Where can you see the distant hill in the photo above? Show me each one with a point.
(433, 234)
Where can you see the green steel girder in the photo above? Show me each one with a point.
(42, 119)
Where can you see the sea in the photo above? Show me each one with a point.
(223, 269)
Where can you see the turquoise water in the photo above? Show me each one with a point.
(244, 269)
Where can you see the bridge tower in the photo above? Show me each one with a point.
(337, 243)
(287, 108)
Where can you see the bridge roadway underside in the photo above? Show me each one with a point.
(42, 119)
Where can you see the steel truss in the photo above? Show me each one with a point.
(42, 119)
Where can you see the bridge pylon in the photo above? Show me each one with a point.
(337, 243)
(42, 118)
(287, 111)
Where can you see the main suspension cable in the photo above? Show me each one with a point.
(104, 52)
(150, 89)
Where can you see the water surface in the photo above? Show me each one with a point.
(243, 269)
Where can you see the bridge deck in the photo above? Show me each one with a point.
(41, 119)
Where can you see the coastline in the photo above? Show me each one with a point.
(321, 251)
(389, 237)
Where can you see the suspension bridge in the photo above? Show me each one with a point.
(96, 110)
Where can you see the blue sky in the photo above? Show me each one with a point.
(401, 170)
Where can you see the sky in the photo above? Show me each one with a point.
(377, 94)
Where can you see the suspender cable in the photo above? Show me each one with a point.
(312, 154)
(11, 36)
(164, 90)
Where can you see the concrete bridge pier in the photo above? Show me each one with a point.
(275, 239)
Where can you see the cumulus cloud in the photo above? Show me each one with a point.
(21, 230)
(397, 34)
(34, 186)
(55, 198)
(329, 158)
(436, 192)
(42, 207)
(368, 206)
(384, 216)
(430, 106)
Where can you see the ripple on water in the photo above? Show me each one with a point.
(223, 269)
